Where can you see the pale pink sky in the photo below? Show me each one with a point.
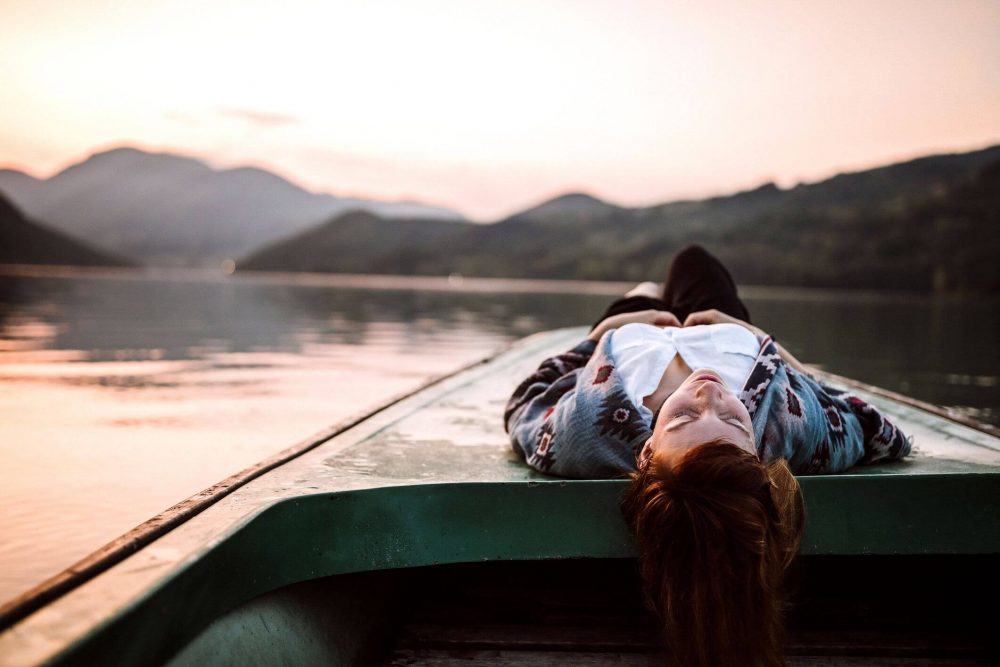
(490, 106)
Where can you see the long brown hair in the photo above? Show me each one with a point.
(716, 529)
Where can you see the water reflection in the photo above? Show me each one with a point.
(141, 320)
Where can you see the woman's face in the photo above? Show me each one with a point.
(702, 409)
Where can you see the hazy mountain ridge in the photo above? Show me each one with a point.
(570, 208)
(169, 209)
(901, 226)
(25, 242)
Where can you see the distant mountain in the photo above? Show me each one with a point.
(572, 207)
(926, 224)
(25, 242)
(172, 210)
(26, 185)
(357, 241)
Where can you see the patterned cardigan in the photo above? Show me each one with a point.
(572, 418)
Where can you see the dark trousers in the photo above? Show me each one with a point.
(696, 281)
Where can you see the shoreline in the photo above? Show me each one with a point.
(452, 283)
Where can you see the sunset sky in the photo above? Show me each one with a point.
(487, 107)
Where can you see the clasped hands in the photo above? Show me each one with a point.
(664, 318)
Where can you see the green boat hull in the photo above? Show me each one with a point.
(431, 481)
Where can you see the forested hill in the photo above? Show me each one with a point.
(930, 223)
(25, 242)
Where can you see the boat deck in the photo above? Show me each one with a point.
(431, 480)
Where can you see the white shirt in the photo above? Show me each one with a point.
(642, 353)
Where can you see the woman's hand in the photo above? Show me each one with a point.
(714, 316)
(659, 318)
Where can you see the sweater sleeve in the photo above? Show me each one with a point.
(536, 397)
(820, 429)
(548, 374)
(881, 438)
(570, 418)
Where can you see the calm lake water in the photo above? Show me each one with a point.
(121, 395)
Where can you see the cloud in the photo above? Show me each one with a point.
(260, 118)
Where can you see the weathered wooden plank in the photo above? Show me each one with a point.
(488, 658)
(521, 637)
(440, 658)
(644, 640)
(884, 643)
(868, 661)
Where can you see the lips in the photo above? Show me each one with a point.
(706, 375)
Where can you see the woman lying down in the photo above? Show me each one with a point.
(711, 419)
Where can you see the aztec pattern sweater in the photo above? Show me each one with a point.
(571, 418)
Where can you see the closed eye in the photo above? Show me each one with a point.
(693, 414)
(736, 421)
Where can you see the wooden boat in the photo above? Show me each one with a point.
(414, 536)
